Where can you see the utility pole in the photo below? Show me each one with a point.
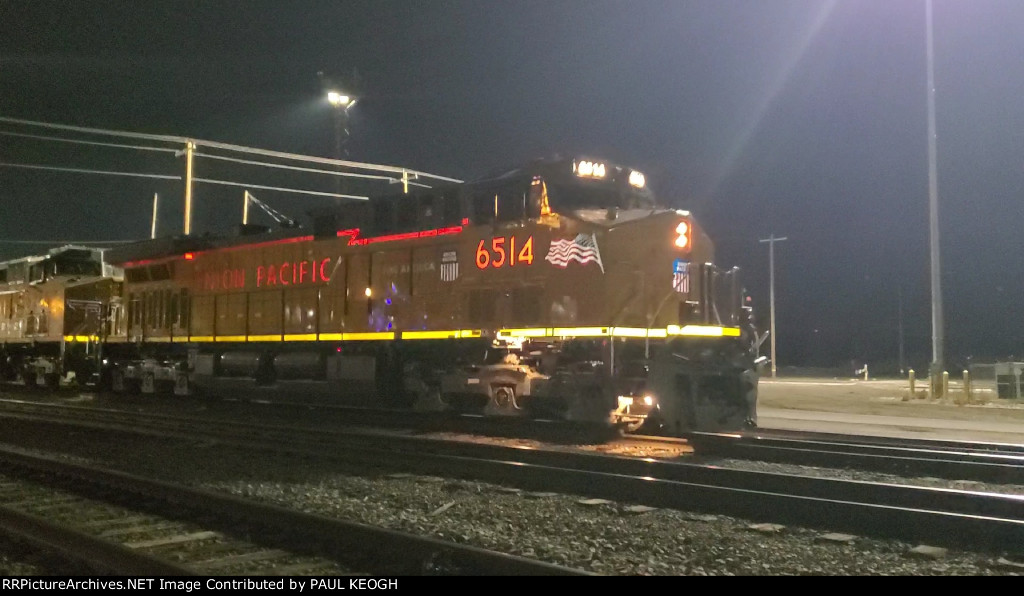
(190, 149)
(152, 226)
(771, 240)
(900, 327)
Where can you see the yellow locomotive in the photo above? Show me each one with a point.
(558, 289)
(53, 315)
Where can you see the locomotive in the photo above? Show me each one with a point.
(53, 310)
(559, 289)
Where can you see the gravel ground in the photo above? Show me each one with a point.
(601, 536)
(683, 452)
(16, 560)
(14, 564)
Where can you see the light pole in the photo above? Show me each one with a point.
(771, 240)
(933, 211)
(341, 102)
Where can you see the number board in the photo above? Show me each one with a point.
(504, 251)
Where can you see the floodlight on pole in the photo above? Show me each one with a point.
(933, 210)
(340, 100)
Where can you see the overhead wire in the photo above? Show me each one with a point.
(276, 215)
(64, 242)
(228, 147)
(397, 175)
(297, 168)
(81, 142)
(280, 188)
(88, 171)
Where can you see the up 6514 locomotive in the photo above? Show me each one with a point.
(558, 290)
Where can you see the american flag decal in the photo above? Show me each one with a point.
(449, 265)
(681, 276)
(582, 249)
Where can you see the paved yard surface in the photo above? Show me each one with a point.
(885, 407)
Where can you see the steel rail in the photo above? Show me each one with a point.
(996, 463)
(80, 548)
(944, 516)
(369, 545)
(951, 460)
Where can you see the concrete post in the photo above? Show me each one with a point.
(945, 384)
(913, 393)
(967, 388)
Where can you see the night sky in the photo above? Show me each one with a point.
(802, 118)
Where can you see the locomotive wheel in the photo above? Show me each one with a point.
(428, 398)
(505, 397)
(632, 427)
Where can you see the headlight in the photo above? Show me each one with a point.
(637, 179)
(648, 400)
(683, 234)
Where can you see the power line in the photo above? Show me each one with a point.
(98, 131)
(282, 189)
(323, 160)
(63, 242)
(229, 147)
(171, 177)
(297, 168)
(81, 142)
(410, 183)
(88, 171)
(276, 215)
(188, 147)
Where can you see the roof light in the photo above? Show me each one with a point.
(589, 169)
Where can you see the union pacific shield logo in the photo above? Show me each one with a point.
(681, 276)
(449, 265)
(583, 249)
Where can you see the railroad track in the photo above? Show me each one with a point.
(257, 408)
(957, 460)
(961, 519)
(971, 446)
(123, 524)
